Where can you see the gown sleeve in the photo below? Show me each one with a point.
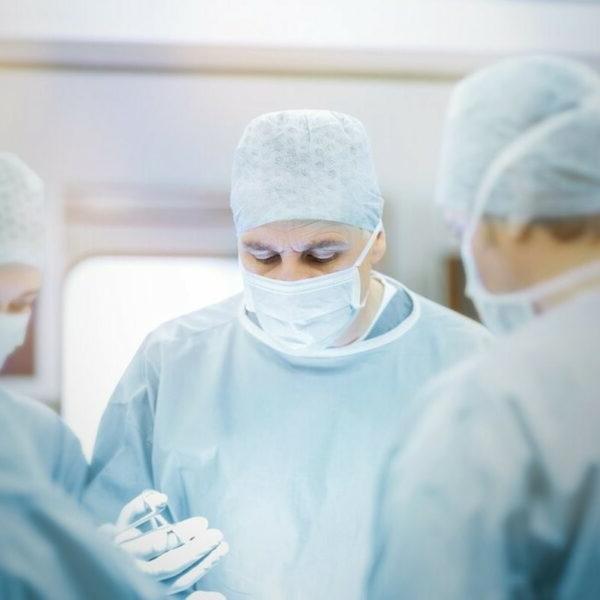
(451, 500)
(48, 547)
(121, 465)
(70, 469)
(49, 550)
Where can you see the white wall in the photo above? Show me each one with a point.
(107, 317)
(80, 128)
(479, 26)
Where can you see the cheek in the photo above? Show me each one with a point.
(496, 268)
(246, 262)
(328, 267)
(252, 265)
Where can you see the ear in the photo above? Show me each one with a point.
(379, 248)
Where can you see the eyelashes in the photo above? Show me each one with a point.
(267, 260)
(322, 259)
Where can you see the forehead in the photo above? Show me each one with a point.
(297, 231)
(17, 280)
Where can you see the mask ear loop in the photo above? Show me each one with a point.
(369, 245)
(357, 302)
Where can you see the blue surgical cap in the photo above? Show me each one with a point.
(522, 141)
(21, 213)
(305, 164)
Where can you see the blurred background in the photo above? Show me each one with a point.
(130, 110)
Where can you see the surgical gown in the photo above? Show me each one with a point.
(283, 453)
(496, 493)
(48, 549)
(58, 449)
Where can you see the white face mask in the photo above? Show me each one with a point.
(500, 313)
(13, 329)
(307, 314)
(503, 313)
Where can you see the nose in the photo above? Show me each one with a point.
(290, 268)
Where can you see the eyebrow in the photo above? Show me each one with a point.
(325, 245)
(333, 245)
(258, 246)
(27, 295)
(24, 297)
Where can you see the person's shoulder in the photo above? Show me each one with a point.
(453, 385)
(463, 405)
(483, 384)
(45, 442)
(40, 423)
(28, 412)
(449, 330)
(196, 324)
(435, 314)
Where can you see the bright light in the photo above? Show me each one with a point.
(111, 304)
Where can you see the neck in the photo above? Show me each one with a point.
(365, 317)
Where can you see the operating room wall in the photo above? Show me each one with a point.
(79, 128)
(479, 26)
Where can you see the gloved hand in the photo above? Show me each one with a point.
(206, 596)
(175, 554)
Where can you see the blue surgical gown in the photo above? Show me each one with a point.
(283, 453)
(496, 492)
(57, 447)
(48, 549)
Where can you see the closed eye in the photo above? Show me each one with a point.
(322, 258)
(266, 259)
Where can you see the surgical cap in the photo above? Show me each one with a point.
(522, 141)
(21, 213)
(304, 164)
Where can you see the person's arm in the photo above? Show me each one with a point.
(446, 499)
(70, 470)
(179, 554)
(49, 548)
(121, 466)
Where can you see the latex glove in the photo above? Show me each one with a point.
(175, 554)
(206, 596)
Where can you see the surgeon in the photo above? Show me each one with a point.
(495, 493)
(272, 413)
(22, 220)
(48, 549)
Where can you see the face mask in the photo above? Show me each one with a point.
(308, 314)
(13, 329)
(503, 313)
(500, 313)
